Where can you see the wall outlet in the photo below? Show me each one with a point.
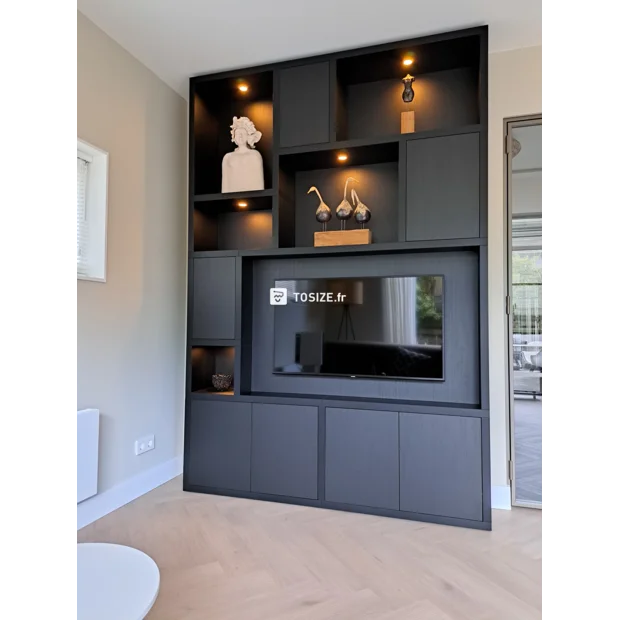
(144, 444)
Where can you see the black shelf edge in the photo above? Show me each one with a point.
(439, 133)
(370, 402)
(213, 253)
(263, 193)
(362, 142)
(339, 145)
(405, 406)
(203, 342)
(376, 248)
(210, 393)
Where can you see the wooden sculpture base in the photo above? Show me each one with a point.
(360, 236)
(407, 122)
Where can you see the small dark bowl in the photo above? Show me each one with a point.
(221, 383)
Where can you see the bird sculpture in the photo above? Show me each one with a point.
(344, 210)
(362, 213)
(323, 212)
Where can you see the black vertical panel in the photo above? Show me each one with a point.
(338, 102)
(483, 291)
(285, 450)
(484, 186)
(402, 192)
(441, 465)
(443, 188)
(361, 457)
(486, 471)
(245, 308)
(285, 205)
(214, 298)
(304, 105)
(219, 445)
(321, 453)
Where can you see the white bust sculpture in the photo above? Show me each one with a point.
(242, 170)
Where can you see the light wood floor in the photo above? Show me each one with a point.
(232, 559)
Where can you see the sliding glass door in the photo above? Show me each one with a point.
(524, 307)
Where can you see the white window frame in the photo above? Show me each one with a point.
(96, 210)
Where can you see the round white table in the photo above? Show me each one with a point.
(114, 582)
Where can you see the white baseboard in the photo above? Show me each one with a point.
(106, 502)
(501, 498)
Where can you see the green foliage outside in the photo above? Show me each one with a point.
(428, 308)
(527, 267)
(527, 292)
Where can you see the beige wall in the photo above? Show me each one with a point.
(515, 89)
(131, 329)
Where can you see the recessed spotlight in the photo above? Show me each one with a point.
(242, 204)
(243, 88)
(407, 61)
(342, 157)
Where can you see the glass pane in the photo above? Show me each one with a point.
(526, 299)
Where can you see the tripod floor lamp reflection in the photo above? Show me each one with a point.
(352, 294)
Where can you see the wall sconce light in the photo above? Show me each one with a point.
(242, 204)
(243, 88)
(342, 157)
(407, 61)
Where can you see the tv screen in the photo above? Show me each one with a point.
(359, 327)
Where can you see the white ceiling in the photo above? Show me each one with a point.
(177, 39)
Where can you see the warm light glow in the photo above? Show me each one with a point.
(408, 62)
(342, 157)
(242, 204)
(243, 88)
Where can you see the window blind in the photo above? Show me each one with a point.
(82, 224)
(289, 285)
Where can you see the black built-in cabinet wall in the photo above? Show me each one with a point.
(373, 447)
(304, 105)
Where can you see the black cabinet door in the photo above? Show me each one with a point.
(304, 105)
(285, 450)
(441, 465)
(214, 298)
(361, 457)
(443, 188)
(219, 445)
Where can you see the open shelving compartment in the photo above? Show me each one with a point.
(230, 221)
(369, 88)
(375, 168)
(210, 360)
(216, 102)
(233, 221)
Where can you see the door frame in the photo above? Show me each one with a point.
(511, 123)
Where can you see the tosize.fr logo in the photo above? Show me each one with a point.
(277, 296)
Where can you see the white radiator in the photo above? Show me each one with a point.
(87, 453)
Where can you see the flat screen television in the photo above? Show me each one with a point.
(377, 327)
